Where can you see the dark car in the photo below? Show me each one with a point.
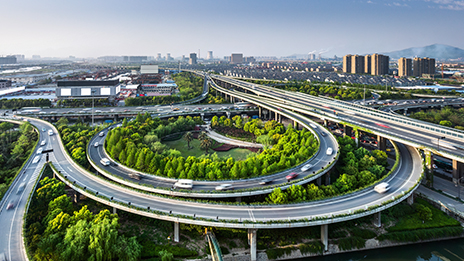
(291, 176)
(266, 181)
(10, 205)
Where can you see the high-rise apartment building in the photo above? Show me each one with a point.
(347, 63)
(423, 66)
(193, 58)
(367, 64)
(236, 58)
(380, 64)
(168, 57)
(357, 64)
(312, 56)
(404, 67)
(209, 56)
(158, 57)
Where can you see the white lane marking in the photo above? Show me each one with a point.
(252, 217)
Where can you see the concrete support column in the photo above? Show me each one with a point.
(176, 232)
(252, 242)
(114, 210)
(327, 179)
(295, 125)
(276, 116)
(238, 199)
(325, 236)
(429, 167)
(458, 170)
(347, 131)
(77, 196)
(410, 199)
(319, 181)
(259, 112)
(382, 143)
(356, 137)
(377, 219)
(405, 111)
(326, 123)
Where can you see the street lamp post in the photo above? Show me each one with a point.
(438, 142)
(93, 98)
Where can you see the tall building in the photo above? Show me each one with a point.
(312, 56)
(367, 64)
(236, 58)
(423, 66)
(357, 64)
(209, 56)
(158, 57)
(380, 64)
(347, 63)
(134, 59)
(168, 57)
(404, 67)
(8, 60)
(193, 58)
(249, 59)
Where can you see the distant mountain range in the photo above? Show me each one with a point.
(437, 51)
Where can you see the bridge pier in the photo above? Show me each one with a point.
(319, 181)
(429, 167)
(382, 143)
(347, 131)
(252, 237)
(259, 111)
(326, 123)
(114, 210)
(458, 170)
(327, 178)
(356, 137)
(325, 236)
(295, 125)
(77, 196)
(238, 199)
(377, 219)
(410, 199)
(176, 232)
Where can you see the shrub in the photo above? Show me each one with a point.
(351, 242)
(311, 247)
(274, 253)
(422, 234)
(362, 233)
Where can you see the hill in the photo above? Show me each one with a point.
(437, 51)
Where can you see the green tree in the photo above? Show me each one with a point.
(206, 144)
(188, 137)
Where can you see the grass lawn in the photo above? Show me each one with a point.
(181, 145)
(411, 222)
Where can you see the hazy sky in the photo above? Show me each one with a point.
(92, 28)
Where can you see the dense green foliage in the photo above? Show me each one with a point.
(211, 99)
(447, 116)
(357, 168)
(136, 144)
(15, 148)
(333, 90)
(190, 86)
(422, 234)
(351, 242)
(75, 138)
(55, 232)
(85, 103)
(19, 103)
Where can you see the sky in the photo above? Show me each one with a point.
(93, 28)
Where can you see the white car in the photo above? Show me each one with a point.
(224, 187)
(36, 159)
(43, 143)
(306, 167)
(101, 134)
(329, 151)
(105, 162)
(96, 144)
(382, 187)
(39, 151)
(184, 184)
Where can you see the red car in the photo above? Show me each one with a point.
(291, 176)
(10, 205)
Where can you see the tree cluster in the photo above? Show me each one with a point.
(136, 144)
(357, 168)
(19, 103)
(56, 232)
(15, 147)
(448, 116)
(75, 138)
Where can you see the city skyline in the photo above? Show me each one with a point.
(257, 28)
